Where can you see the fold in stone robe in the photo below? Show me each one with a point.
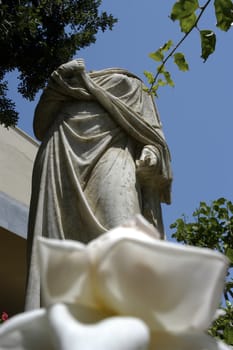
(93, 127)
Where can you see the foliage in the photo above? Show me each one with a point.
(212, 228)
(8, 115)
(222, 327)
(39, 35)
(188, 13)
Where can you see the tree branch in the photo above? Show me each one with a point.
(203, 8)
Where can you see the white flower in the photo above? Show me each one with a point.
(126, 277)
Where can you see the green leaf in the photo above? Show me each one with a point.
(228, 334)
(180, 61)
(154, 90)
(149, 76)
(208, 42)
(187, 23)
(157, 55)
(167, 46)
(184, 12)
(168, 78)
(184, 8)
(220, 201)
(161, 69)
(146, 89)
(230, 206)
(229, 254)
(229, 286)
(224, 14)
(161, 82)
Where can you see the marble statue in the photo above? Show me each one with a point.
(102, 160)
(125, 290)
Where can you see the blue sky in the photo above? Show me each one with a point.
(197, 114)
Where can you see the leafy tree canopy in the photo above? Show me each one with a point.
(39, 35)
(212, 227)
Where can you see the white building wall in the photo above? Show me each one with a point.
(17, 154)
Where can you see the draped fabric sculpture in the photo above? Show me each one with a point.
(103, 159)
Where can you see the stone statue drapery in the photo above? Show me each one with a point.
(98, 131)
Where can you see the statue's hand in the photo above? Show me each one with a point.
(148, 165)
(147, 159)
